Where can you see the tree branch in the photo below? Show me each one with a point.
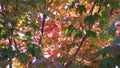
(91, 10)
(10, 43)
(43, 20)
(42, 30)
(99, 9)
(83, 39)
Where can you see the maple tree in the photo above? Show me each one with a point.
(59, 33)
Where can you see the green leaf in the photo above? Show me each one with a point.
(62, 59)
(86, 67)
(111, 30)
(96, 16)
(72, 5)
(116, 41)
(81, 9)
(28, 33)
(107, 63)
(103, 24)
(34, 26)
(13, 23)
(4, 23)
(79, 66)
(16, 36)
(78, 35)
(91, 34)
(115, 4)
(75, 66)
(70, 29)
(106, 35)
(43, 65)
(23, 57)
(4, 54)
(42, 1)
(3, 35)
(105, 15)
(34, 49)
(10, 53)
(104, 51)
(4, 63)
(89, 20)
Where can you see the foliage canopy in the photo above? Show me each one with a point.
(60, 33)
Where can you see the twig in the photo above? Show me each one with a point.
(10, 43)
(99, 9)
(43, 20)
(42, 30)
(84, 38)
(111, 11)
(80, 45)
(91, 10)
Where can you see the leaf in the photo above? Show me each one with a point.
(79, 66)
(70, 30)
(4, 35)
(115, 4)
(57, 65)
(89, 20)
(107, 63)
(75, 66)
(61, 59)
(13, 23)
(10, 53)
(78, 35)
(115, 42)
(81, 9)
(42, 1)
(4, 23)
(43, 65)
(96, 16)
(110, 30)
(34, 50)
(28, 34)
(23, 57)
(86, 67)
(105, 16)
(16, 36)
(106, 35)
(91, 34)
(34, 26)
(72, 5)
(104, 51)
(103, 24)
(4, 63)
